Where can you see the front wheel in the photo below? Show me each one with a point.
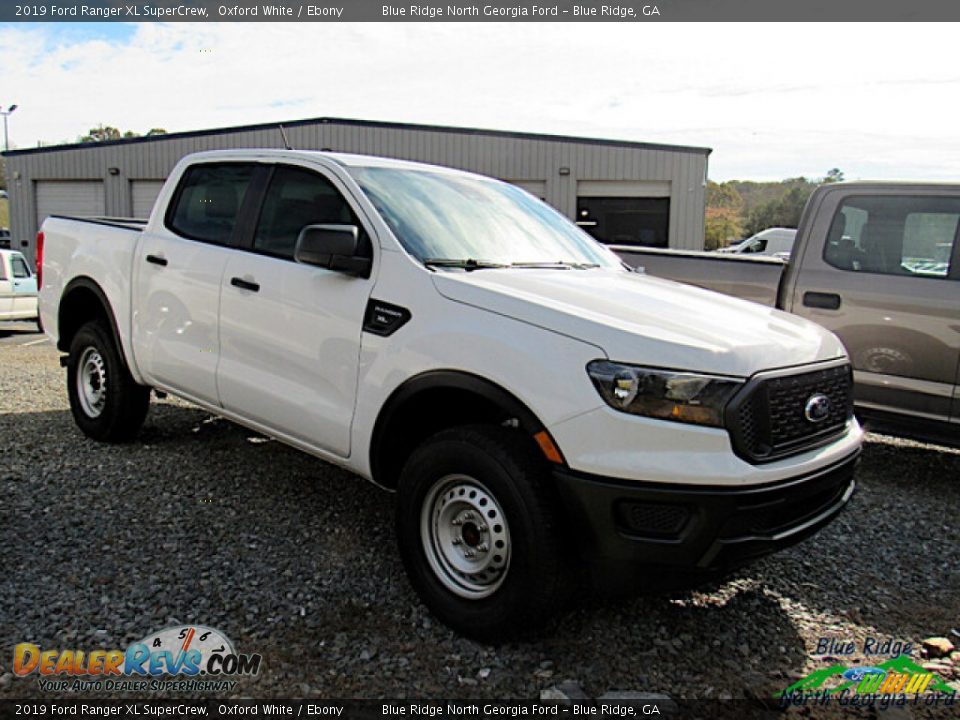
(478, 531)
(106, 401)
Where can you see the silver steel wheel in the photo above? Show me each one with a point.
(92, 382)
(465, 536)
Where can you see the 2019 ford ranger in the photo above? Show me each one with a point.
(537, 406)
(878, 263)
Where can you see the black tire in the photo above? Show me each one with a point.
(124, 403)
(536, 582)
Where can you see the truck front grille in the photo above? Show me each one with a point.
(777, 415)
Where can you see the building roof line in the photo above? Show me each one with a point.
(362, 123)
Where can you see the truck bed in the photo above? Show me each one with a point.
(97, 248)
(743, 276)
(120, 222)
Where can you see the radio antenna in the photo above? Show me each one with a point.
(283, 134)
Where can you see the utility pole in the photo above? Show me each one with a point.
(6, 138)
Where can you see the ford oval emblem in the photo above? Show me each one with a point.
(818, 408)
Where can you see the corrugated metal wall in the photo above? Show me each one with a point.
(503, 155)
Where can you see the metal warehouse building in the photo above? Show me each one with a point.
(627, 193)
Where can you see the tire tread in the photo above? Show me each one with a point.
(127, 401)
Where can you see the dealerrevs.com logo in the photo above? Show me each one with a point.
(201, 658)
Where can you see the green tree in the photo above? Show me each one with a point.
(101, 133)
(724, 215)
(833, 175)
(722, 225)
(749, 206)
(784, 210)
(108, 132)
(723, 195)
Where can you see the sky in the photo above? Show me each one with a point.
(878, 101)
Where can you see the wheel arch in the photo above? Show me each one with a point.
(444, 398)
(84, 300)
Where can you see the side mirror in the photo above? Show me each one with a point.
(333, 247)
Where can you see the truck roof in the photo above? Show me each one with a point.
(344, 159)
(892, 184)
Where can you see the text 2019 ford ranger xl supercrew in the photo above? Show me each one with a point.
(537, 406)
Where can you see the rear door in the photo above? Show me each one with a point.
(290, 333)
(177, 273)
(24, 287)
(886, 282)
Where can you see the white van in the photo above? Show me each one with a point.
(772, 241)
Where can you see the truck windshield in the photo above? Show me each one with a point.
(461, 221)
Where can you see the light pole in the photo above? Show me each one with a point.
(6, 138)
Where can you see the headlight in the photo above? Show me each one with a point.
(664, 394)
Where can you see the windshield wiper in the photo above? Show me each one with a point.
(467, 264)
(558, 264)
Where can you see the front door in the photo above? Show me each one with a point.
(24, 287)
(887, 285)
(6, 288)
(290, 333)
(178, 270)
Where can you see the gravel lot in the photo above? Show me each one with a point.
(200, 521)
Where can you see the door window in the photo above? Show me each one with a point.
(890, 235)
(19, 267)
(208, 201)
(297, 198)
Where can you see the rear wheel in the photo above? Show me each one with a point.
(477, 526)
(106, 402)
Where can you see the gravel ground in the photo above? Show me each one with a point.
(202, 522)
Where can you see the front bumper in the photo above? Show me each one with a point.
(626, 527)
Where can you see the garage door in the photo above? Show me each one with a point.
(69, 197)
(143, 193)
(625, 212)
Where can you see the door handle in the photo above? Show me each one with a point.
(245, 284)
(157, 260)
(824, 301)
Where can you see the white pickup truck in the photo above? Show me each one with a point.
(539, 408)
(18, 287)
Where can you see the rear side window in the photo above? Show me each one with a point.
(892, 235)
(297, 198)
(208, 201)
(19, 267)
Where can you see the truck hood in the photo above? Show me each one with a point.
(639, 319)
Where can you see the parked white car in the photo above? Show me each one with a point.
(776, 242)
(545, 415)
(18, 287)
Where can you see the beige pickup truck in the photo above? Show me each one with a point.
(879, 265)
